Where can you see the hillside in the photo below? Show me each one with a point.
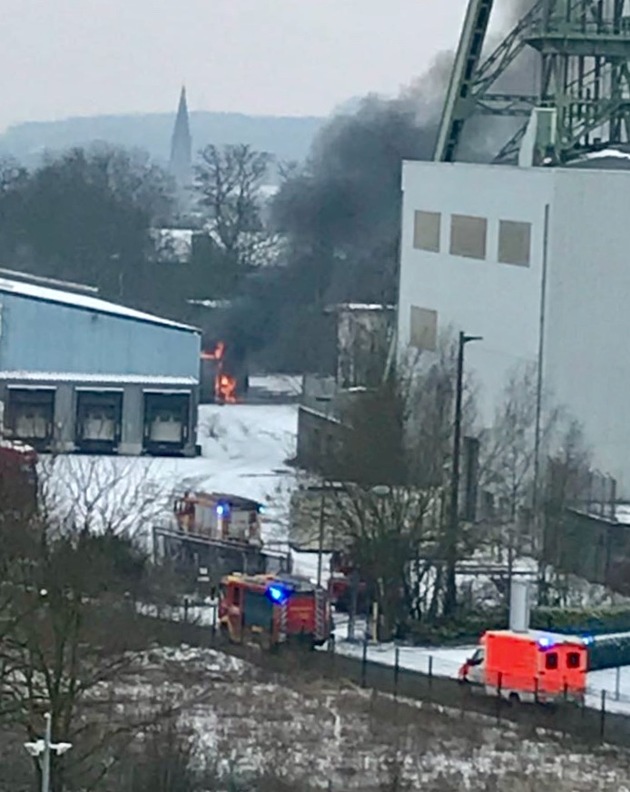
(288, 138)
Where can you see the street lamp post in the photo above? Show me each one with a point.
(450, 599)
(41, 749)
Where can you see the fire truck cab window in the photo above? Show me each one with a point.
(573, 660)
(477, 658)
(551, 661)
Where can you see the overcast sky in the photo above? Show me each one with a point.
(82, 57)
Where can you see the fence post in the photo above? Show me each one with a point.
(602, 716)
(185, 610)
(536, 683)
(617, 682)
(214, 619)
(430, 670)
(396, 670)
(499, 690)
(364, 661)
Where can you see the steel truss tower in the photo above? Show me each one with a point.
(583, 50)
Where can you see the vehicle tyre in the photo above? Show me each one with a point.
(514, 698)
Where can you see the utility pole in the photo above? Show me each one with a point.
(46, 753)
(450, 599)
(320, 541)
(41, 750)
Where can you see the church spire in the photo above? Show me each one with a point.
(181, 145)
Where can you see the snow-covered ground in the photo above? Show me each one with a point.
(244, 452)
(446, 661)
(318, 734)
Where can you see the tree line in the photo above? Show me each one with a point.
(330, 233)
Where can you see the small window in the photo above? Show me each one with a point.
(514, 243)
(573, 660)
(423, 328)
(236, 596)
(426, 231)
(551, 661)
(468, 236)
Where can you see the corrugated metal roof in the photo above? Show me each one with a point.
(85, 302)
(104, 379)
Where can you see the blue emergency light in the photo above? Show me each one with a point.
(546, 643)
(278, 593)
(223, 509)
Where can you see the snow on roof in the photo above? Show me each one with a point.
(609, 152)
(360, 307)
(210, 303)
(84, 302)
(104, 379)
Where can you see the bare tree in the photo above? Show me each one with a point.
(566, 481)
(523, 429)
(113, 494)
(394, 463)
(72, 573)
(229, 181)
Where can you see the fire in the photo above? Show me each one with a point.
(216, 354)
(225, 388)
(224, 384)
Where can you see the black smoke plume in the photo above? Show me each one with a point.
(341, 216)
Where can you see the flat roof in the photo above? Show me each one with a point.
(85, 302)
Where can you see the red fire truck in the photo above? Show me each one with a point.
(274, 609)
(343, 576)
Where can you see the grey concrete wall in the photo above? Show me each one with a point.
(65, 418)
(132, 421)
(132, 436)
(318, 438)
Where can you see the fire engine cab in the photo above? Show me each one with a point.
(274, 609)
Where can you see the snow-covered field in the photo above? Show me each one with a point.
(321, 735)
(244, 452)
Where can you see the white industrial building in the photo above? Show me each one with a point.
(537, 261)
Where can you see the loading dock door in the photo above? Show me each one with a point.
(166, 419)
(99, 420)
(30, 415)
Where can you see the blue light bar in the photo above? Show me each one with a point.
(278, 593)
(223, 509)
(546, 643)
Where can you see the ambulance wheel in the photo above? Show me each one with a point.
(514, 698)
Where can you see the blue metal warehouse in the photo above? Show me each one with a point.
(78, 373)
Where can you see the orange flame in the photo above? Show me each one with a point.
(216, 354)
(224, 384)
(225, 388)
